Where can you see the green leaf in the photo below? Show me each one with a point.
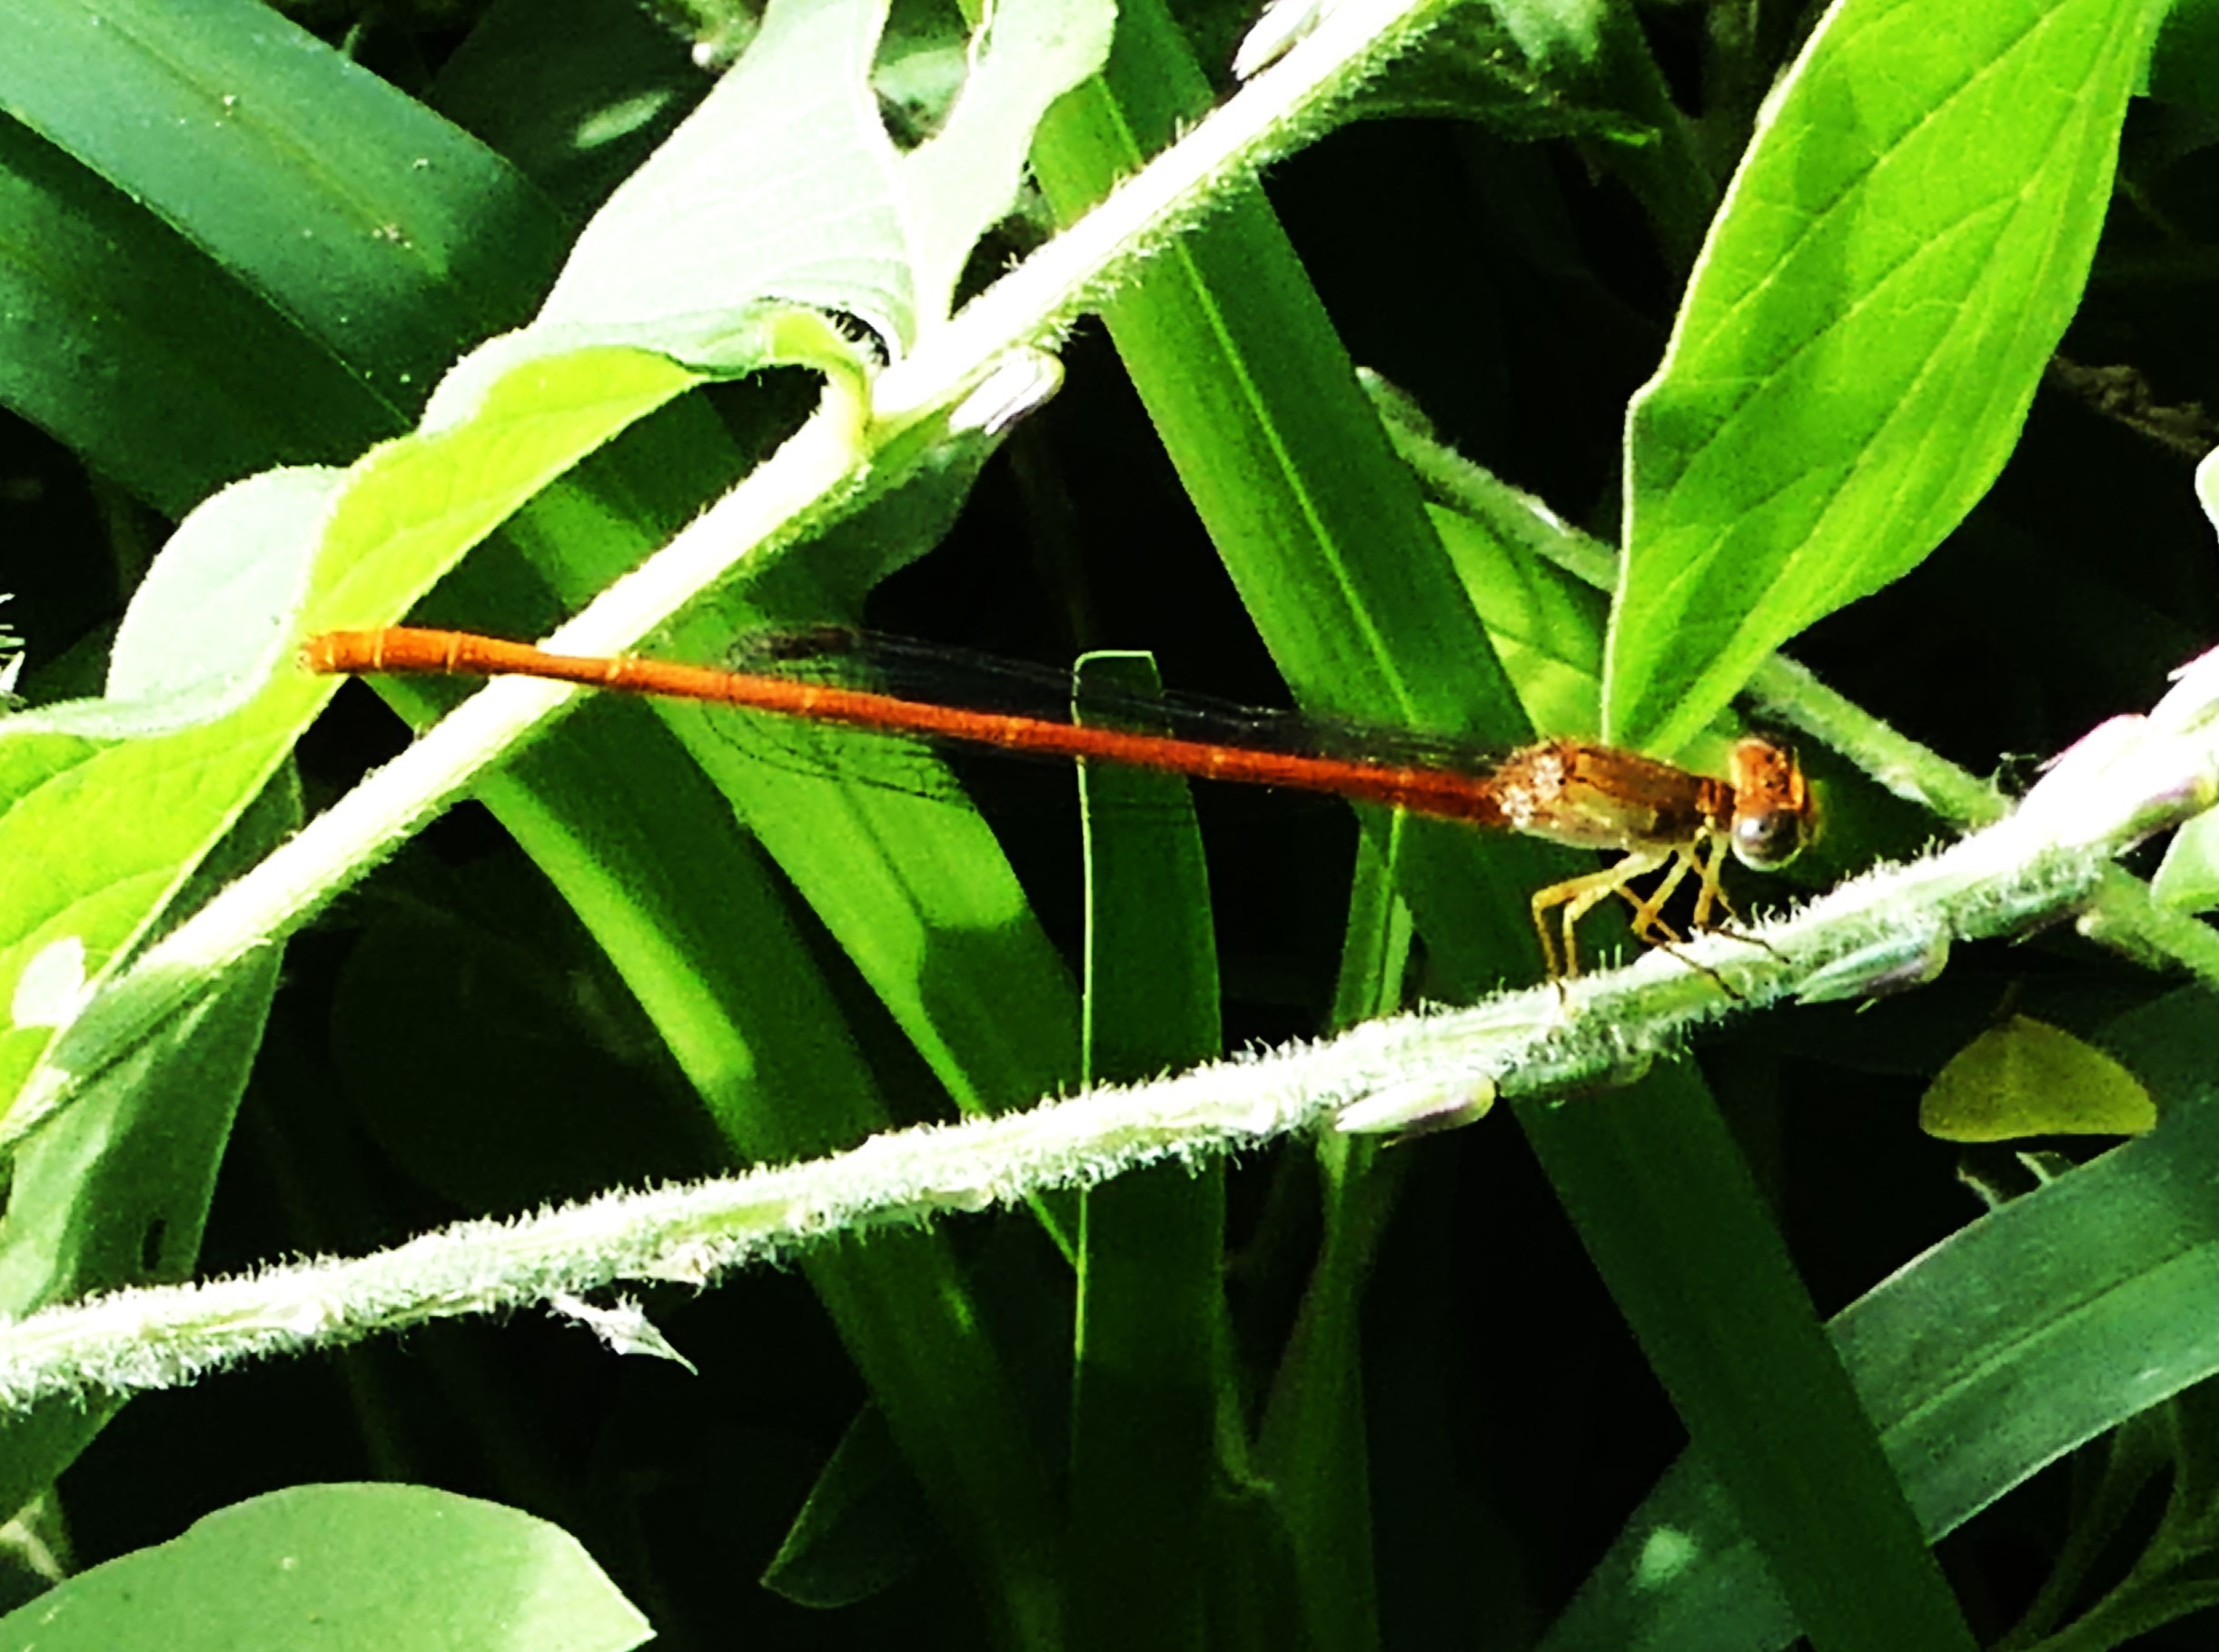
(201, 713)
(2188, 877)
(269, 214)
(107, 806)
(2184, 65)
(516, 414)
(318, 1566)
(745, 1021)
(1666, 1208)
(268, 94)
(1547, 626)
(1984, 1360)
(2028, 1078)
(95, 294)
(863, 1528)
(737, 204)
(1598, 54)
(116, 1193)
(574, 93)
(1897, 258)
(1154, 1373)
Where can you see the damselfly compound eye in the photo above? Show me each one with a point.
(1775, 815)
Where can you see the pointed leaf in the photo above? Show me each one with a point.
(1896, 262)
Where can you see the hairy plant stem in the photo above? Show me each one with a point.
(845, 452)
(2049, 858)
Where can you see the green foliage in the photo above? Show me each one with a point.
(511, 312)
(318, 1566)
(1906, 240)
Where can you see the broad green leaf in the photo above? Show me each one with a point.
(372, 541)
(1899, 253)
(123, 340)
(345, 1569)
(116, 1193)
(107, 806)
(2024, 1335)
(270, 259)
(515, 415)
(311, 161)
(200, 714)
(735, 205)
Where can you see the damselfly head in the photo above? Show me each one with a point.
(1775, 817)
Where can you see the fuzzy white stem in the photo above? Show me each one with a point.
(2051, 858)
(803, 484)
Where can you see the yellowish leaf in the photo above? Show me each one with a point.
(2027, 1078)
